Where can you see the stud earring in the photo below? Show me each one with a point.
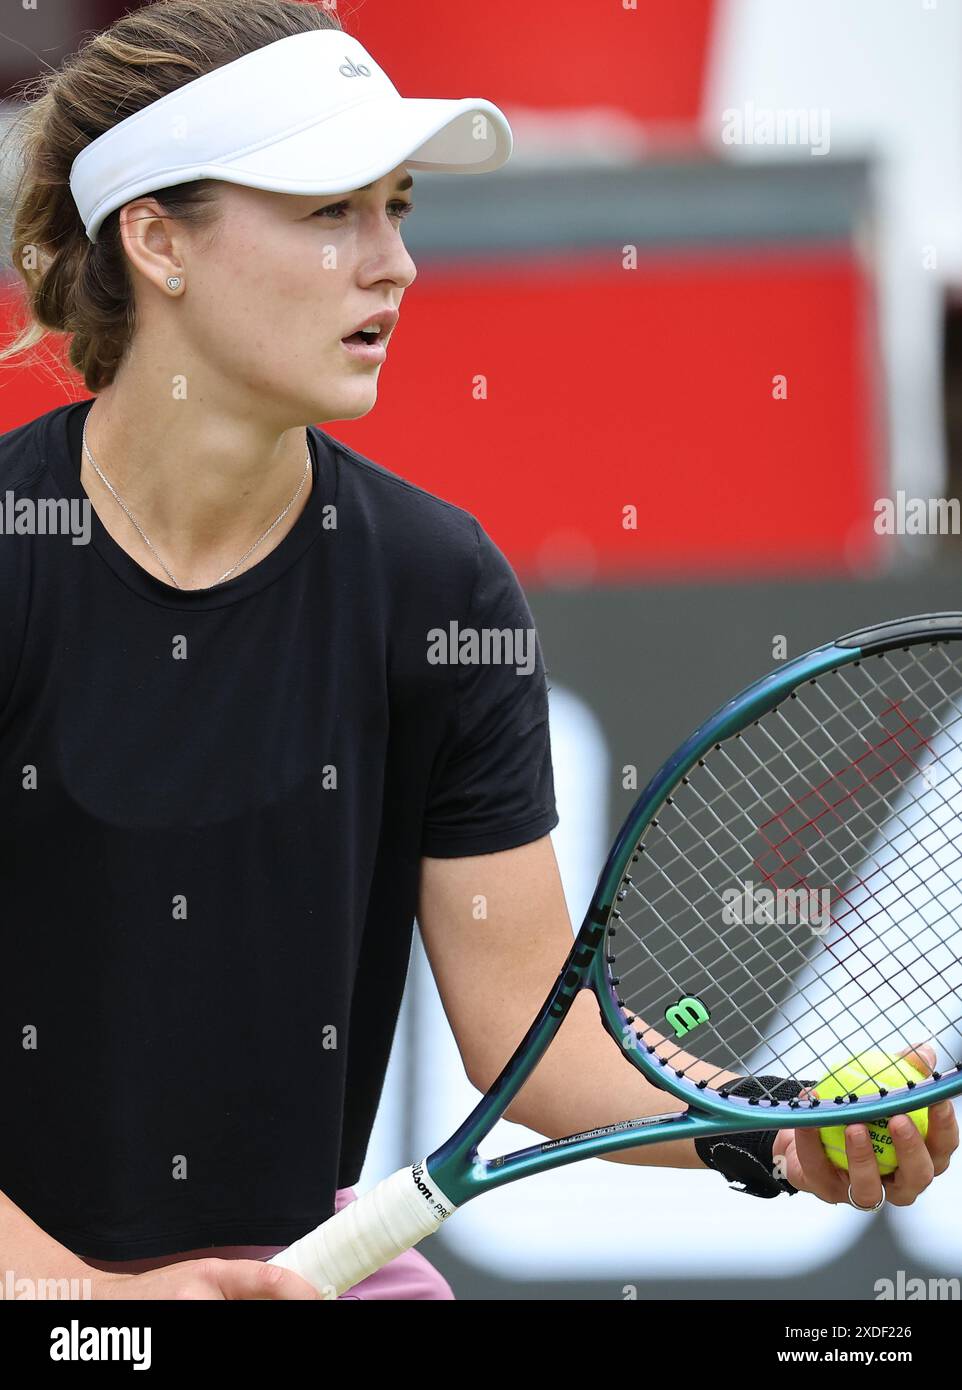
(174, 282)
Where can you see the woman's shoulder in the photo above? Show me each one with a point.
(403, 513)
(21, 453)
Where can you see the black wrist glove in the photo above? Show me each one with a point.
(747, 1161)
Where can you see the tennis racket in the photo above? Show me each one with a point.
(786, 892)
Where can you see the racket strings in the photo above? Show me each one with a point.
(720, 977)
(882, 867)
(769, 811)
(842, 712)
(710, 806)
(845, 802)
(836, 913)
(851, 974)
(724, 793)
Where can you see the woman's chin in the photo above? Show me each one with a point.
(354, 400)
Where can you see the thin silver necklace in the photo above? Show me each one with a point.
(226, 575)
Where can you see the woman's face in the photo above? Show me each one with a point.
(284, 279)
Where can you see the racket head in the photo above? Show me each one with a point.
(785, 893)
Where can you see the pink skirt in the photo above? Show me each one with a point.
(408, 1277)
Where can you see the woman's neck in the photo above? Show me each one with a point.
(203, 483)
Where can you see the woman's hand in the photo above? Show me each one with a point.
(206, 1279)
(806, 1165)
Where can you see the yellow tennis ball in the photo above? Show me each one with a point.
(864, 1075)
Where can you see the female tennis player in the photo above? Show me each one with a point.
(233, 767)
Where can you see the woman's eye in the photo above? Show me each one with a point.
(399, 209)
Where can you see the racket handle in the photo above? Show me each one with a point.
(369, 1232)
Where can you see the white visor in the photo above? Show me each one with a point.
(309, 114)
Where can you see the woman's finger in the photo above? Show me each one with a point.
(863, 1170)
(943, 1136)
(922, 1058)
(819, 1173)
(916, 1168)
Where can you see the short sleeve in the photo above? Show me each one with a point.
(492, 786)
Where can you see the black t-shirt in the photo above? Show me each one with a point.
(212, 809)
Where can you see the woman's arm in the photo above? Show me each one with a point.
(30, 1254)
(37, 1266)
(494, 973)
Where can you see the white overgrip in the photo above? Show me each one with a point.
(367, 1234)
